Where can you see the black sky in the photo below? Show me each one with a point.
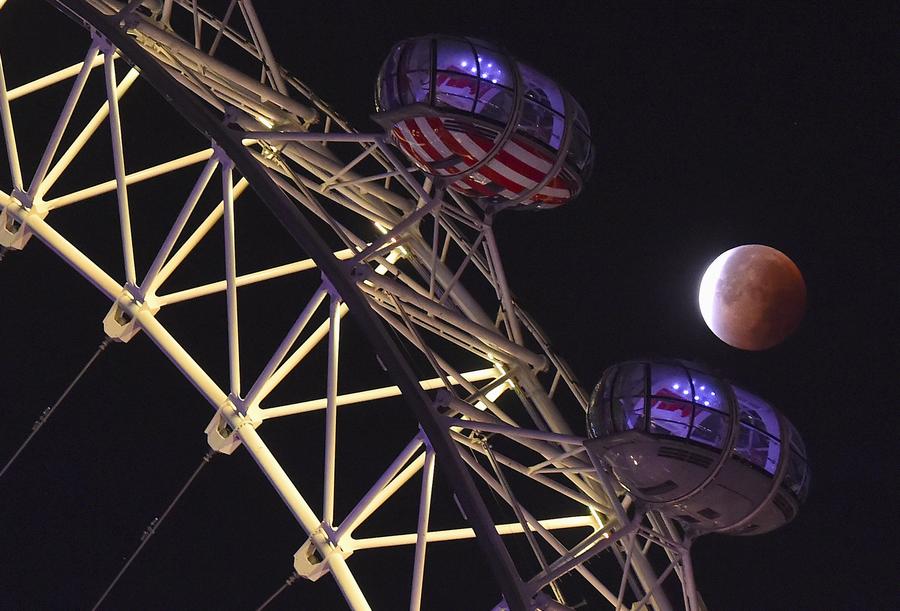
(715, 125)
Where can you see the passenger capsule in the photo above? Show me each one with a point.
(712, 455)
(495, 129)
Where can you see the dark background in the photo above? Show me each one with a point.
(715, 125)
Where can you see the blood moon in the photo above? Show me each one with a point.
(752, 297)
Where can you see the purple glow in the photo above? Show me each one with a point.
(676, 386)
(696, 397)
(685, 392)
(706, 403)
(474, 70)
(464, 64)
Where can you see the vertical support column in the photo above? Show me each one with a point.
(418, 578)
(6, 127)
(334, 340)
(234, 346)
(515, 330)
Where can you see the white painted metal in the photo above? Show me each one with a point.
(421, 266)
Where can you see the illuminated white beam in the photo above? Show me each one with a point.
(460, 534)
(52, 79)
(246, 279)
(372, 394)
(134, 177)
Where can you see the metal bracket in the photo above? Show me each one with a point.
(221, 434)
(309, 562)
(119, 323)
(14, 233)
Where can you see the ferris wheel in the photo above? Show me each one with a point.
(293, 268)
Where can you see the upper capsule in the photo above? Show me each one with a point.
(497, 130)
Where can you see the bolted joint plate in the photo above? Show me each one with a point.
(14, 231)
(222, 431)
(120, 323)
(309, 562)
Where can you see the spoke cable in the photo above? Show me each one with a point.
(45, 415)
(153, 527)
(287, 583)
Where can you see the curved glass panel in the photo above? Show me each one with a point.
(579, 149)
(495, 102)
(535, 122)
(710, 428)
(796, 477)
(455, 90)
(709, 391)
(581, 120)
(541, 90)
(455, 56)
(757, 413)
(757, 448)
(630, 381)
(388, 95)
(628, 413)
(797, 444)
(671, 409)
(670, 382)
(414, 74)
(494, 68)
(543, 108)
(667, 427)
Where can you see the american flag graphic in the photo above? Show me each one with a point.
(446, 147)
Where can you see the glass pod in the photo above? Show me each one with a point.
(495, 129)
(710, 454)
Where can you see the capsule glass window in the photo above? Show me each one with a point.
(710, 427)
(630, 381)
(415, 72)
(709, 391)
(456, 56)
(387, 85)
(757, 448)
(454, 90)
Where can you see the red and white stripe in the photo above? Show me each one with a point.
(516, 168)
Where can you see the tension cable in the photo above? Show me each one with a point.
(287, 583)
(45, 415)
(152, 528)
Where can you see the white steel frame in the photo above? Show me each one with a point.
(428, 252)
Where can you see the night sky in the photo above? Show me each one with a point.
(714, 126)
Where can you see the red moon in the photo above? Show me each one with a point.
(752, 297)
